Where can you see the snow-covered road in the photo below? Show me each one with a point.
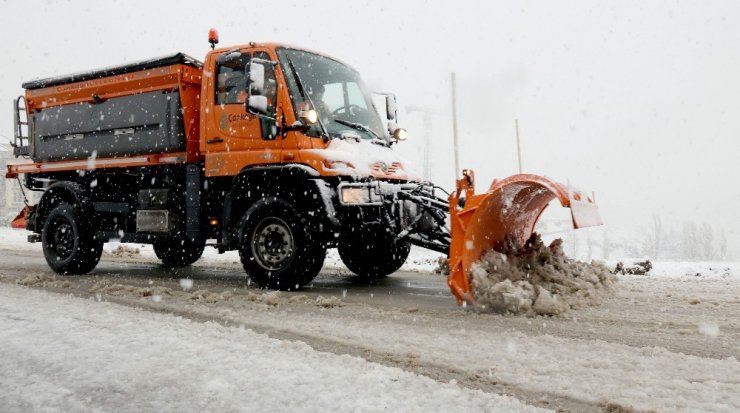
(662, 343)
(61, 353)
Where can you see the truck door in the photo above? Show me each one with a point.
(235, 138)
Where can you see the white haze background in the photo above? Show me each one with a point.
(636, 100)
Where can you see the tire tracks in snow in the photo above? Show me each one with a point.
(477, 381)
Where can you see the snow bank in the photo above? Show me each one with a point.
(43, 280)
(111, 288)
(123, 251)
(683, 269)
(211, 297)
(707, 269)
(535, 279)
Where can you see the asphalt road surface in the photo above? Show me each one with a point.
(673, 318)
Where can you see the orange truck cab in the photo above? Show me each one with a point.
(275, 151)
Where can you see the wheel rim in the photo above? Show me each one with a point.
(273, 244)
(62, 238)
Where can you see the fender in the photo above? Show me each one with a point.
(292, 168)
(296, 184)
(58, 192)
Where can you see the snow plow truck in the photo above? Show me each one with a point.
(272, 150)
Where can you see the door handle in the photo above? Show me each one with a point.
(215, 140)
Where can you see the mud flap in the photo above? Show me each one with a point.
(19, 222)
(506, 213)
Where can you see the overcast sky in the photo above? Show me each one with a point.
(638, 102)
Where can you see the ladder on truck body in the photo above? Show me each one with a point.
(21, 143)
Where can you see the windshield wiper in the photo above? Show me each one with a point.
(360, 127)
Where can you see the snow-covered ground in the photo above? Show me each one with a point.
(69, 354)
(696, 269)
(420, 260)
(666, 342)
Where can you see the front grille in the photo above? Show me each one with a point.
(391, 169)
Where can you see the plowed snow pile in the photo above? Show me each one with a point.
(111, 288)
(123, 251)
(43, 280)
(536, 279)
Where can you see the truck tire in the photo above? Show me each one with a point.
(276, 249)
(178, 252)
(68, 243)
(371, 253)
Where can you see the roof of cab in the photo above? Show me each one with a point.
(274, 46)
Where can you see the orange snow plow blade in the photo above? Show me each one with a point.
(508, 211)
(19, 222)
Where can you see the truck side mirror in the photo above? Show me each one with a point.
(256, 102)
(390, 107)
(256, 79)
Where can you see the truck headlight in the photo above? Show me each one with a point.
(308, 117)
(400, 134)
(355, 195)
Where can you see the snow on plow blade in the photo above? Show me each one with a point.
(507, 212)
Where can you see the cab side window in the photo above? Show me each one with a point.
(231, 81)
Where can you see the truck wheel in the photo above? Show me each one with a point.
(371, 253)
(276, 249)
(178, 252)
(69, 245)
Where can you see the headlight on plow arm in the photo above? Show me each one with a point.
(353, 194)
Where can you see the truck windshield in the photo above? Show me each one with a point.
(336, 92)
